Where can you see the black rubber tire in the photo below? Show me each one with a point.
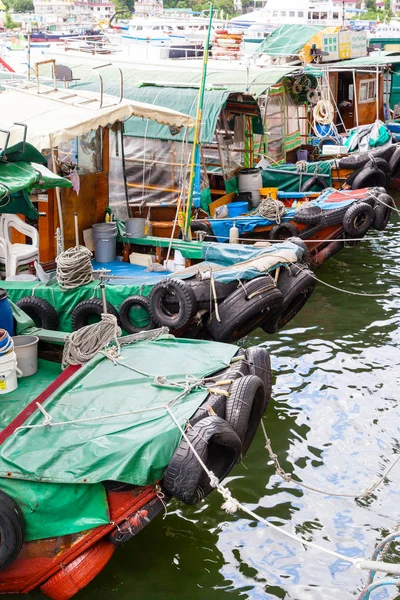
(40, 311)
(259, 363)
(308, 232)
(351, 220)
(214, 402)
(308, 214)
(369, 177)
(329, 138)
(334, 216)
(161, 312)
(394, 162)
(379, 163)
(296, 284)
(242, 312)
(382, 212)
(359, 160)
(12, 530)
(218, 446)
(283, 231)
(245, 408)
(203, 294)
(89, 308)
(314, 181)
(202, 226)
(124, 311)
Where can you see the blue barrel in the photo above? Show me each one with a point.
(6, 318)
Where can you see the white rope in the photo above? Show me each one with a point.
(333, 287)
(74, 268)
(270, 209)
(84, 344)
(288, 477)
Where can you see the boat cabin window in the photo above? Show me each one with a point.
(310, 15)
(292, 13)
(315, 16)
(84, 153)
(336, 15)
(283, 13)
(324, 15)
(274, 13)
(367, 90)
(300, 14)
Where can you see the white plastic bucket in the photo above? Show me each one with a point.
(179, 260)
(250, 180)
(26, 349)
(135, 227)
(8, 373)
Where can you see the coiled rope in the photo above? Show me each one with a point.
(82, 345)
(74, 268)
(270, 209)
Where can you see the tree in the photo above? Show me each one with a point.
(8, 22)
(370, 5)
(22, 6)
(125, 6)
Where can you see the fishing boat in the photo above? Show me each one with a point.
(105, 464)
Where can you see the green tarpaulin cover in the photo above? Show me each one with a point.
(130, 436)
(288, 40)
(291, 181)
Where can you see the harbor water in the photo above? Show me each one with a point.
(334, 424)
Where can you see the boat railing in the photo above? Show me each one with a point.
(93, 44)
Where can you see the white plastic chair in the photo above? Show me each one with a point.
(17, 255)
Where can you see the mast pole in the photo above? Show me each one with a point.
(197, 129)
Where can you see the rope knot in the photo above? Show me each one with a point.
(230, 505)
(160, 380)
(214, 481)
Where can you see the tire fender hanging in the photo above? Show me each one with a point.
(12, 530)
(40, 311)
(124, 313)
(382, 211)
(218, 446)
(86, 309)
(358, 219)
(162, 308)
(315, 181)
(283, 231)
(259, 363)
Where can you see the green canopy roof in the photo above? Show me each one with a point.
(288, 40)
(373, 60)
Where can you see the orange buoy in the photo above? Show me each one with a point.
(78, 573)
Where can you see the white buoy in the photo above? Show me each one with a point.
(234, 234)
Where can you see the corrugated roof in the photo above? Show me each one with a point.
(373, 60)
(288, 40)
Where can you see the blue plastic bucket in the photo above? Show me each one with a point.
(6, 318)
(237, 208)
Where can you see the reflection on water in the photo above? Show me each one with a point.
(334, 422)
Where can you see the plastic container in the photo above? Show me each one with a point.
(250, 180)
(105, 241)
(302, 155)
(8, 373)
(26, 349)
(179, 260)
(22, 277)
(269, 192)
(242, 197)
(237, 208)
(6, 318)
(135, 227)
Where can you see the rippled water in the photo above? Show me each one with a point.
(334, 422)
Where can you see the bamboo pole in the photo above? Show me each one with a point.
(197, 129)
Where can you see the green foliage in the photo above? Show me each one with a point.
(227, 6)
(8, 22)
(22, 6)
(378, 14)
(370, 5)
(125, 7)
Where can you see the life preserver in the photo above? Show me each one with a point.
(140, 302)
(40, 311)
(308, 214)
(79, 573)
(259, 364)
(296, 285)
(382, 211)
(368, 177)
(244, 309)
(312, 182)
(166, 315)
(12, 530)
(358, 219)
(283, 231)
(394, 162)
(84, 312)
(245, 407)
(184, 477)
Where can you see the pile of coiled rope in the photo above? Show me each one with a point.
(270, 209)
(74, 268)
(82, 345)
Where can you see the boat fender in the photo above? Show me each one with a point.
(331, 141)
(218, 446)
(394, 162)
(202, 227)
(40, 311)
(77, 574)
(140, 302)
(308, 214)
(259, 363)
(359, 160)
(308, 232)
(334, 216)
(204, 294)
(245, 407)
(379, 163)
(313, 182)
(382, 212)
(245, 309)
(306, 256)
(358, 219)
(283, 231)
(164, 315)
(313, 96)
(369, 177)
(296, 285)
(84, 312)
(330, 250)
(12, 530)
